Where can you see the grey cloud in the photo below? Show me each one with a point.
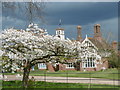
(80, 13)
(107, 26)
(8, 22)
(72, 14)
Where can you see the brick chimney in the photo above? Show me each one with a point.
(114, 45)
(79, 35)
(97, 32)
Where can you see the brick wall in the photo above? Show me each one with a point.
(70, 69)
(90, 69)
(81, 69)
(62, 67)
(50, 67)
(114, 45)
(99, 66)
(104, 64)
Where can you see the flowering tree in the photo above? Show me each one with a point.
(28, 47)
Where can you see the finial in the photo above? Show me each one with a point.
(60, 22)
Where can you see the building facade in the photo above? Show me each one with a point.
(93, 56)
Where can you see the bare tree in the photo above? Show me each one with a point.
(31, 10)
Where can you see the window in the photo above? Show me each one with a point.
(89, 63)
(58, 36)
(70, 65)
(58, 32)
(41, 66)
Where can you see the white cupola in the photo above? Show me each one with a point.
(60, 31)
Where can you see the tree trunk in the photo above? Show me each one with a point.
(26, 76)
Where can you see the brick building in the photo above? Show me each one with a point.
(95, 51)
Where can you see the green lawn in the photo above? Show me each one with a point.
(107, 74)
(42, 84)
(1, 84)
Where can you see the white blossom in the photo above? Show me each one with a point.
(20, 45)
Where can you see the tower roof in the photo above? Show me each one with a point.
(60, 29)
(100, 45)
(60, 23)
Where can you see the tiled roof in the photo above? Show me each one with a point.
(101, 44)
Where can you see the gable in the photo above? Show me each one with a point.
(87, 43)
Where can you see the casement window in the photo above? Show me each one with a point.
(42, 66)
(88, 63)
(70, 65)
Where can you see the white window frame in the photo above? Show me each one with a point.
(70, 65)
(88, 63)
(42, 66)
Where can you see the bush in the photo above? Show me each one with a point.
(113, 60)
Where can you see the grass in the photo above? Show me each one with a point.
(107, 74)
(42, 84)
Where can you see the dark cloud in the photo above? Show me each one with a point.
(72, 14)
(79, 12)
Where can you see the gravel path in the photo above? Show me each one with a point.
(67, 79)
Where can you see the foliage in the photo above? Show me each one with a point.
(29, 47)
(113, 60)
(7, 65)
(23, 46)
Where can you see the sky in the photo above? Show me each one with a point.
(86, 14)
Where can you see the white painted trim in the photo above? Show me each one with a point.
(86, 39)
(68, 65)
(42, 66)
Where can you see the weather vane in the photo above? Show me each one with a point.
(60, 23)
